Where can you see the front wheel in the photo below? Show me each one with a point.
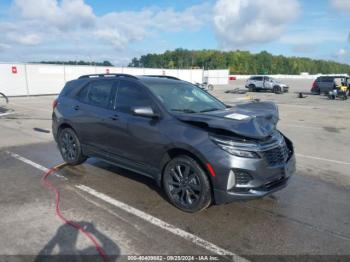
(186, 184)
(70, 147)
(251, 88)
(276, 89)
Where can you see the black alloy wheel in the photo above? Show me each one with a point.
(70, 147)
(186, 184)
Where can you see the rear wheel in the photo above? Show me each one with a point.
(70, 147)
(186, 184)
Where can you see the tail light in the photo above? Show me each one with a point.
(54, 104)
(314, 85)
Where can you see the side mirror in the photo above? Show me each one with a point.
(145, 111)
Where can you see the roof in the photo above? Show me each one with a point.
(145, 78)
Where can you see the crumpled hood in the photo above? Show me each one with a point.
(255, 120)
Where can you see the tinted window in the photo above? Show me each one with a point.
(70, 87)
(130, 95)
(328, 79)
(97, 94)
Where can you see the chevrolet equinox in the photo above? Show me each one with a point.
(199, 150)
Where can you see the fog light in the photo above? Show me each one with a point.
(242, 177)
(238, 178)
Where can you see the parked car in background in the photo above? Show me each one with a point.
(266, 83)
(324, 84)
(205, 86)
(199, 150)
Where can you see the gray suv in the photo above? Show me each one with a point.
(266, 83)
(199, 150)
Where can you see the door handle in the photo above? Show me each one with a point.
(114, 117)
(76, 107)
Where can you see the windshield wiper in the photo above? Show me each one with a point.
(209, 110)
(190, 111)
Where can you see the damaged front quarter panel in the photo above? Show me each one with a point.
(256, 120)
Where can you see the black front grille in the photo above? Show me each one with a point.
(277, 155)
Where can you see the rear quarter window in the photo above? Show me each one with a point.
(71, 88)
(98, 93)
(68, 89)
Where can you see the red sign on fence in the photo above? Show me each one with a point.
(14, 70)
(232, 78)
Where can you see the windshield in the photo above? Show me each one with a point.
(185, 97)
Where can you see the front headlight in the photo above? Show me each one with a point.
(240, 149)
(240, 153)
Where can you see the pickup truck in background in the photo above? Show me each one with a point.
(266, 83)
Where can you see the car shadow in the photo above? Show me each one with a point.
(110, 167)
(63, 245)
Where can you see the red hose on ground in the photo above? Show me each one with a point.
(51, 187)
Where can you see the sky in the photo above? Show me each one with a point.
(116, 30)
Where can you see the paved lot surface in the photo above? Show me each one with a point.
(120, 208)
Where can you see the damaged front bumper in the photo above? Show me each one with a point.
(249, 178)
(273, 183)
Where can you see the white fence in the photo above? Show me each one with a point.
(301, 76)
(40, 79)
(216, 77)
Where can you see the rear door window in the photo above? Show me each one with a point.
(98, 93)
(131, 95)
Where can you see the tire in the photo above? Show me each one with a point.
(210, 87)
(251, 88)
(70, 147)
(5, 97)
(276, 90)
(186, 184)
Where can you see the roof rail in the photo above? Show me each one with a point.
(107, 75)
(164, 76)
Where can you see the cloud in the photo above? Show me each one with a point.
(341, 53)
(341, 5)
(4, 47)
(74, 22)
(121, 28)
(25, 39)
(63, 14)
(244, 22)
